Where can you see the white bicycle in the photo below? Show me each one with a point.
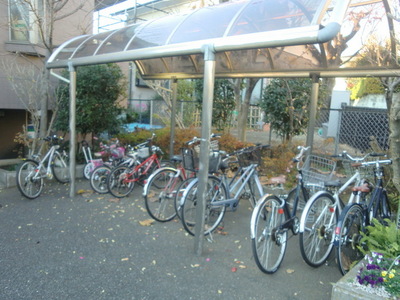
(31, 172)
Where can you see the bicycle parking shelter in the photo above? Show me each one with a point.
(238, 39)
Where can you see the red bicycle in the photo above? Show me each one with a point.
(122, 179)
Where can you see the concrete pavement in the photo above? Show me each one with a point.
(98, 247)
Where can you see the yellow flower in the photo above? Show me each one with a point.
(384, 273)
(391, 275)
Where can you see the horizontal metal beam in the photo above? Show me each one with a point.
(325, 73)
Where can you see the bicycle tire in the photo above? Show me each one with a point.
(268, 242)
(215, 192)
(120, 181)
(319, 221)
(29, 187)
(98, 179)
(60, 168)
(88, 170)
(178, 196)
(350, 224)
(160, 192)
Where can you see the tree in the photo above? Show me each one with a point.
(285, 103)
(98, 89)
(243, 106)
(40, 24)
(224, 102)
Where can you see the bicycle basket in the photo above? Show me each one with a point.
(118, 152)
(249, 156)
(143, 152)
(189, 159)
(316, 170)
(214, 146)
(214, 162)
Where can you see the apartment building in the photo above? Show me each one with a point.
(27, 37)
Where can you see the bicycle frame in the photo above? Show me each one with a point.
(148, 163)
(247, 174)
(48, 157)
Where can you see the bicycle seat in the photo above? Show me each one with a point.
(176, 158)
(281, 179)
(364, 188)
(334, 183)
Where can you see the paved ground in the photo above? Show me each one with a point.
(95, 247)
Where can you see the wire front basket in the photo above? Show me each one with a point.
(316, 170)
(249, 156)
(190, 160)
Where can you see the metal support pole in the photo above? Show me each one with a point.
(313, 111)
(207, 106)
(173, 115)
(72, 128)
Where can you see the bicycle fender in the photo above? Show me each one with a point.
(306, 208)
(256, 210)
(146, 186)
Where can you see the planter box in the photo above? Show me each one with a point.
(343, 290)
(8, 178)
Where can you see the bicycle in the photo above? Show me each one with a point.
(320, 216)
(166, 185)
(122, 179)
(31, 172)
(222, 193)
(98, 178)
(114, 152)
(355, 217)
(275, 215)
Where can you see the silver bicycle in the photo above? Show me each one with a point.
(31, 172)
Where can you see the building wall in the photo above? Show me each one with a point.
(30, 55)
(10, 124)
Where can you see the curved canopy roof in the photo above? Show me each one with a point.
(249, 38)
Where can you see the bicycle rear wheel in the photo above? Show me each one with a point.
(98, 179)
(120, 182)
(215, 192)
(160, 192)
(60, 168)
(318, 221)
(350, 224)
(29, 186)
(268, 241)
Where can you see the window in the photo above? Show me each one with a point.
(24, 16)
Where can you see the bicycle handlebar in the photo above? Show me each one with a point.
(196, 139)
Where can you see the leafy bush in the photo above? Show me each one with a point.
(382, 238)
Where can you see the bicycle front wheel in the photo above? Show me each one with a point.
(120, 182)
(214, 213)
(349, 227)
(98, 179)
(178, 203)
(60, 168)
(160, 192)
(268, 240)
(319, 221)
(29, 181)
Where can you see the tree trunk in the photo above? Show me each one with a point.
(244, 109)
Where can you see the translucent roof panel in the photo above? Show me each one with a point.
(248, 37)
(270, 15)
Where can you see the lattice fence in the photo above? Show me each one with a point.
(358, 124)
